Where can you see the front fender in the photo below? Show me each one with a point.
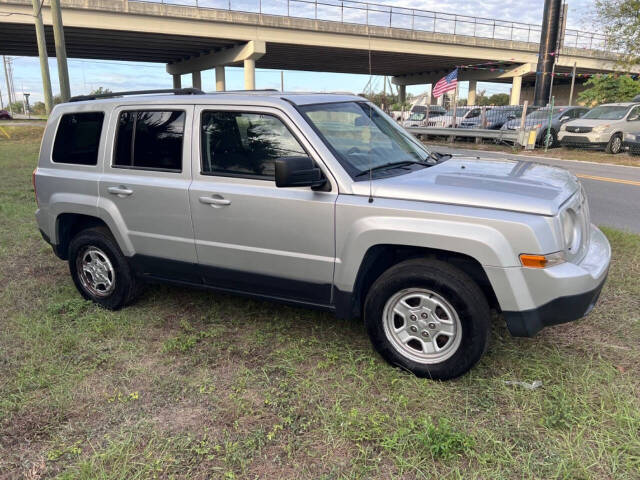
(494, 239)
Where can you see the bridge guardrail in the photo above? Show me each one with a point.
(381, 15)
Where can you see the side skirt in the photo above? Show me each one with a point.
(264, 287)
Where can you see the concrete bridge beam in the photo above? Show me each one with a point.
(516, 87)
(465, 75)
(249, 74)
(471, 97)
(177, 81)
(196, 80)
(221, 83)
(252, 50)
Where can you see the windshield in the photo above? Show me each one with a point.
(363, 136)
(543, 114)
(417, 116)
(460, 112)
(607, 112)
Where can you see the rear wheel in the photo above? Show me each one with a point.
(429, 318)
(100, 271)
(615, 144)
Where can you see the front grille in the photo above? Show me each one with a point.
(572, 139)
(579, 129)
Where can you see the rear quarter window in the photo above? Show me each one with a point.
(78, 138)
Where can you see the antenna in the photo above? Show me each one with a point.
(370, 121)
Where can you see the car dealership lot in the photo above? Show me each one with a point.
(192, 384)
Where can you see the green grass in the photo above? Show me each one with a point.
(193, 384)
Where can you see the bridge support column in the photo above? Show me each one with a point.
(220, 79)
(516, 86)
(44, 60)
(249, 74)
(196, 80)
(402, 93)
(247, 53)
(471, 98)
(177, 81)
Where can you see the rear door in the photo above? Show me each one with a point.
(252, 236)
(145, 187)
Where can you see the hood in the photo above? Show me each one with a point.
(588, 122)
(513, 185)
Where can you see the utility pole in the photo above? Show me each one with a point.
(1, 102)
(282, 80)
(548, 51)
(6, 76)
(42, 53)
(61, 50)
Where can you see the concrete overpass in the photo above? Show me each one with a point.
(412, 46)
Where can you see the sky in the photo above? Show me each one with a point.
(86, 75)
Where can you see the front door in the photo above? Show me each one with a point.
(250, 235)
(145, 186)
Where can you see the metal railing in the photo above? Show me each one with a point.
(380, 15)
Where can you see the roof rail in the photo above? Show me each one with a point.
(175, 91)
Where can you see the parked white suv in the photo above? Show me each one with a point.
(603, 127)
(317, 200)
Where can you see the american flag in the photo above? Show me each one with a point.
(446, 84)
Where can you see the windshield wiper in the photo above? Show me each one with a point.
(386, 166)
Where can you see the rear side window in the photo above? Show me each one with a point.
(78, 138)
(150, 140)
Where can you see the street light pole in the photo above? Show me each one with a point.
(61, 50)
(6, 76)
(42, 53)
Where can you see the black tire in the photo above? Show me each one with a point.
(615, 144)
(125, 285)
(452, 285)
(553, 140)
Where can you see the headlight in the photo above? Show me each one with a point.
(601, 128)
(563, 128)
(570, 230)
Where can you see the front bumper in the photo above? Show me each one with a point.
(584, 140)
(541, 297)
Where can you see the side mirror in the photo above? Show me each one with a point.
(298, 172)
(564, 119)
(634, 118)
(511, 116)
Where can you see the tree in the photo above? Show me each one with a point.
(100, 91)
(609, 89)
(621, 22)
(17, 107)
(38, 108)
(499, 99)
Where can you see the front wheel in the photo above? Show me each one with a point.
(428, 317)
(615, 144)
(100, 271)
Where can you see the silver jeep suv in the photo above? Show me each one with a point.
(317, 200)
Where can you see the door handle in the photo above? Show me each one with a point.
(215, 201)
(120, 191)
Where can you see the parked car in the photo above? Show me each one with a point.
(460, 114)
(4, 115)
(495, 117)
(539, 119)
(317, 200)
(420, 114)
(632, 141)
(602, 127)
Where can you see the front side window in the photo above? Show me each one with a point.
(78, 138)
(150, 140)
(363, 137)
(245, 145)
